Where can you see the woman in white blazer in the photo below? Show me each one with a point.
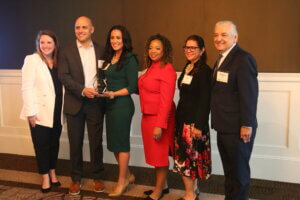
(42, 105)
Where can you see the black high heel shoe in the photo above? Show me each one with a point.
(164, 191)
(197, 192)
(149, 198)
(56, 184)
(46, 190)
(196, 198)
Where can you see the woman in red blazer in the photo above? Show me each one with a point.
(156, 89)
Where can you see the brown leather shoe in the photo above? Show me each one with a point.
(74, 188)
(98, 186)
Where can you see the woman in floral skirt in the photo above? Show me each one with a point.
(192, 139)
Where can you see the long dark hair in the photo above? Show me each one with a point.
(127, 47)
(167, 50)
(51, 34)
(201, 45)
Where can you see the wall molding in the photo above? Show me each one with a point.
(276, 154)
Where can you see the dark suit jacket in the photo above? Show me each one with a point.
(70, 73)
(234, 104)
(194, 102)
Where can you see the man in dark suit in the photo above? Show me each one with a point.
(77, 66)
(233, 109)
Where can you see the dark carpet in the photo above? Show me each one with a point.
(23, 191)
(259, 189)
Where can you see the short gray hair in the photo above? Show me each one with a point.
(234, 30)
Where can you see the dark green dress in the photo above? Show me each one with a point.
(119, 111)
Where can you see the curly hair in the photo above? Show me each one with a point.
(127, 47)
(167, 50)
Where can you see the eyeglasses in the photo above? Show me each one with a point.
(190, 48)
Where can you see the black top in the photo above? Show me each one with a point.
(194, 102)
(58, 96)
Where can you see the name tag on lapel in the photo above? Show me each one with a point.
(187, 79)
(222, 77)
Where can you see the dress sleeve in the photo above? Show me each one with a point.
(204, 90)
(167, 89)
(28, 81)
(132, 75)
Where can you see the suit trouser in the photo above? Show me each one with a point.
(91, 113)
(235, 156)
(46, 146)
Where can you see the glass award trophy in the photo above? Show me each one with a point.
(101, 82)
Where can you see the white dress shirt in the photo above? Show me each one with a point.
(224, 55)
(88, 60)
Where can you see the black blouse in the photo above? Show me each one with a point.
(58, 96)
(194, 101)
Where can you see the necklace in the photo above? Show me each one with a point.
(114, 60)
(189, 68)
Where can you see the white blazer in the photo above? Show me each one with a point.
(38, 91)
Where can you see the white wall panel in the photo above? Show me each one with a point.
(276, 153)
(273, 118)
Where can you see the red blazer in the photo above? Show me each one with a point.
(156, 89)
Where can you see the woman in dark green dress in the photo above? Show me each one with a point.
(121, 72)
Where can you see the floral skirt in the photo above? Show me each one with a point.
(192, 156)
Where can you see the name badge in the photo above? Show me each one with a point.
(222, 76)
(187, 79)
